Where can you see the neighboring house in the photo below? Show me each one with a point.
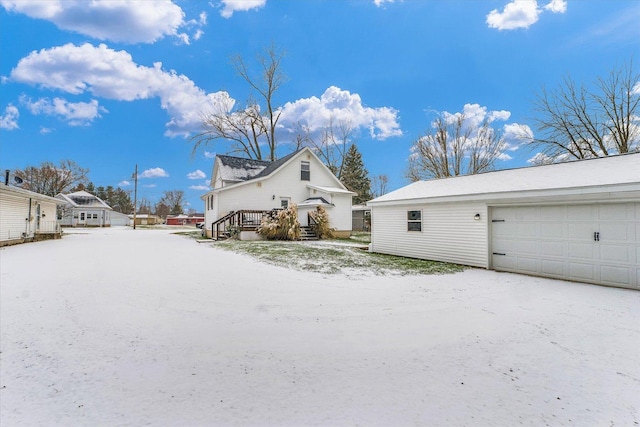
(247, 188)
(576, 221)
(183, 219)
(83, 209)
(26, 216)
(146, 219)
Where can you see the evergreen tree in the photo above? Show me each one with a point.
(355, 176)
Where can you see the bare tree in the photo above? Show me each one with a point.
(455, 146)
(575, 122)
(330, 144)
(174, 200)
(252, 127)
(379, 185)
(49, 179)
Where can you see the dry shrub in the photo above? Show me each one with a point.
(281, 225)
(321, 223)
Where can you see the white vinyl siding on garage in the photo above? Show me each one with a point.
(594, 243)
(449, 233)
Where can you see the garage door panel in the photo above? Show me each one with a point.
(581, 250)
(552, 230)
(616, 231)
(552, 248)
(615, 275)
(527, 247)
(597, 243)
(581, 271)
(553, 268)
(581, 231)
(615, 253)
(615, 212)
(527, 265)
(552, 213)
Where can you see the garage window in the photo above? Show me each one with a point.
(414, 220)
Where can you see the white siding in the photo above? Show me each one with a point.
(14, 209)
(449, 233)
(286, 183)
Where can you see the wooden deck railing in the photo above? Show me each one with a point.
(242, 220)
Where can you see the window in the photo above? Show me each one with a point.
(305, 171)
(284, 203)
(414, 220)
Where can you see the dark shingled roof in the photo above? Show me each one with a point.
(250, 165)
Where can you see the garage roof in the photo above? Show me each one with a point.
(583, 175)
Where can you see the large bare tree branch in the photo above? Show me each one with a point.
(578, 123)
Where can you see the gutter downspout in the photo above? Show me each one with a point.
(28, 221)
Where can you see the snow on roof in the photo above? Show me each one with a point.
(84, 199)
(239, 169)
(28, 193)
(315, 201)
(330, 190)
(606, 171)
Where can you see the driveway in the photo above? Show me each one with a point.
(143, 327)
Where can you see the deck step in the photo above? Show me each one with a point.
(307, 233)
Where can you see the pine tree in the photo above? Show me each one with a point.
(355, 176)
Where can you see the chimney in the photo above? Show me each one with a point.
(6, 177)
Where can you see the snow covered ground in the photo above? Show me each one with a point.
(122, 327)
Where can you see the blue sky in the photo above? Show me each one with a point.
(112, 84)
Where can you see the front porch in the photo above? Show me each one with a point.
(243, 224)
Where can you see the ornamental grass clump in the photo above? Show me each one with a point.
(281, 225)
(321, 225)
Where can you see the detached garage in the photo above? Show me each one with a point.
(576, 221)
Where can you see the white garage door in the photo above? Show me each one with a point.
(588, 243)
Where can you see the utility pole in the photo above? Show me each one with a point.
(135, 196)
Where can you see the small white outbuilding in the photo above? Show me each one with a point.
(577, 221)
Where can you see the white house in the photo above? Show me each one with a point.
(254, 185)
(26, 216)
(577, 220)
(83, 209)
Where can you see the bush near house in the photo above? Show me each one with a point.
(321, 225)
(281, 225)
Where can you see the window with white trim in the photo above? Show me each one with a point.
(414, 220)
(305, 171)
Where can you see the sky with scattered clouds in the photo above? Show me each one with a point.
(111, 84)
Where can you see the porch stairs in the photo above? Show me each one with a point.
(307, 233)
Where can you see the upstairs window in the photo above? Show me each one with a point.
(414, 220)
(305, 171)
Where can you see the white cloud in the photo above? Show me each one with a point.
(516, 134)
(124, 183)
(340, 105)
(9, 120)
(230, 6)
(522, 14)
(516, 14)
(75, 113)
(112, 74)
(154, 173)
(209, 155)
(380, 3)
(125, 21)
(557, 6)
(149, 186)
(199, 187)
(44, 130)
(636, 88)
(197, 174)
(475, 114)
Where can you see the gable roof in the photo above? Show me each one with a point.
(83, 199)
(239, 169)
(242, 171)
(580, 175)
(28, 193)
